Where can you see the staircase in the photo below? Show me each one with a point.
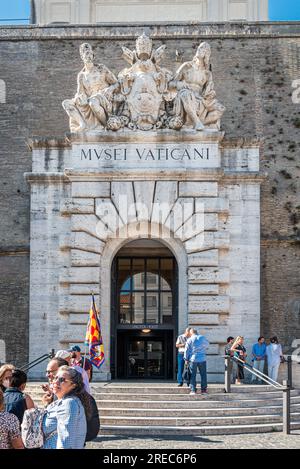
(164, 409)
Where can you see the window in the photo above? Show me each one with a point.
(145, 290)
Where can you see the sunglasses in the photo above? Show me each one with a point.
(53, 372)
(61, 380)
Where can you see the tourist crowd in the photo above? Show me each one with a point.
(192, 357)
(70, 416)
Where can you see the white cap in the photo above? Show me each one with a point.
(63, 354)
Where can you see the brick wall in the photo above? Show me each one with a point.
(254, 66)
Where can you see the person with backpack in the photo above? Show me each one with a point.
(10, 435)
(65, 422)
(15, 401)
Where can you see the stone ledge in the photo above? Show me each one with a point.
(243, 142)
(138, 175)
(41, 178)
(241, 176)
(200, 175)
(161, 30)
(126, 136)
(162, 136)
(47, 142)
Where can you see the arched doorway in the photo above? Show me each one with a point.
(144, 319)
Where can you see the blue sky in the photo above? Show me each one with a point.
(279, 10)
(284, 10)
(14, 10)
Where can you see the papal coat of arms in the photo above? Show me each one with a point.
(145, 96)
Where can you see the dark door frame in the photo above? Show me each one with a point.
(131, 328)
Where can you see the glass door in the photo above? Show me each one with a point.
(146, 358)
(136, 358)
(155, 359)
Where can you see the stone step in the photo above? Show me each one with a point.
(194, 421)
(174, 389)
(173, 392)
(188, 405)
(187, 397)
(164, 400)
(131, 388)
(183, 396)
(195, 412)
(156, 430)
(193, 404)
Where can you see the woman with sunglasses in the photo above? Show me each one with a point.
(65, 424)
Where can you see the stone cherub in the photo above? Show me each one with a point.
(93, 103)
(195, 103)
(145, 85)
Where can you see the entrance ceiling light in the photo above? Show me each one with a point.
(146, 331)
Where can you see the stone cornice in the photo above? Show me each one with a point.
(126, 136)
(47, 142)
(135, 175)
(45, 178)
(242, 142)
(235, 177)
(160, 31)
(163, 136)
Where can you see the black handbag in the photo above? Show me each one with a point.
(186, 376)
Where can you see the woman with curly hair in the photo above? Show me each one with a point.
(65, 424)
(5, 376)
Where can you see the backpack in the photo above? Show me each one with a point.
(93, 423)
(15, 403)
(32, 433)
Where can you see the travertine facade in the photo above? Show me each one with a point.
(255, 68)
(79, 223)
(117, 11)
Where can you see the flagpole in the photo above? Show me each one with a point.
(85, 344)
(85, 351)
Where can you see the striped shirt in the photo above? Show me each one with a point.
(64, 425)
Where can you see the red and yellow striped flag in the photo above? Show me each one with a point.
(93, 337)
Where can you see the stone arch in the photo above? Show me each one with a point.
(136, 231)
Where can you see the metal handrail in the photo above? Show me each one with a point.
(285, 388)
(37, 361)
(259, 374)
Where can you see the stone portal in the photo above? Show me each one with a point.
(195, 193)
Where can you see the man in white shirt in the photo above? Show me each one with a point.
(180, 345)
